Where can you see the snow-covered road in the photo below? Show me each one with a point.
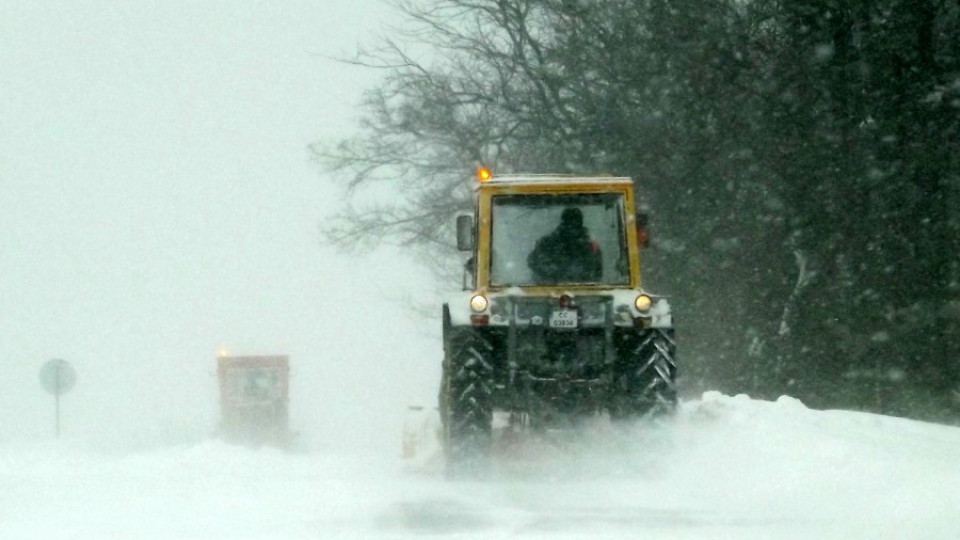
(725, 467)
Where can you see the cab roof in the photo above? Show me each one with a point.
(542, 179)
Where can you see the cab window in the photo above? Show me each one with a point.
(556, 239)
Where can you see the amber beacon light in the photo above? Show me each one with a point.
(484, 174)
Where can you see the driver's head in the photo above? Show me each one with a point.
(571, 218)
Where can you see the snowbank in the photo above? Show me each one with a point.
(723, 467)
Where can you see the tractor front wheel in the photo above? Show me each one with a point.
(466, 401)
(643, 385)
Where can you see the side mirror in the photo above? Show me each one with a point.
(465, 233)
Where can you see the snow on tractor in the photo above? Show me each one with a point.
(553, 324)
(254, 393)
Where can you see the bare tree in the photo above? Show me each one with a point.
(516, 85)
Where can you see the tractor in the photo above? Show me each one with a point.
(553, 324)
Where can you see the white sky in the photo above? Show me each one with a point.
(157, 202)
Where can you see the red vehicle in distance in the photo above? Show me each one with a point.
(254, 394)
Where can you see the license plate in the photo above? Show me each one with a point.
(563, 318)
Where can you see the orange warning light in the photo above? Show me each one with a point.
(484, 174)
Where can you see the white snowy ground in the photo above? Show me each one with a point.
(724, 467)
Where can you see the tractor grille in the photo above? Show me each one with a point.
(536, 349)
(523, 311)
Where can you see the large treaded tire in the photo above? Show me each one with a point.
(466, 401)
(644, 383)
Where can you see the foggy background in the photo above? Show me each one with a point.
(158, 204)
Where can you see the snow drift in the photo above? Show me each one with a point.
(723, 467)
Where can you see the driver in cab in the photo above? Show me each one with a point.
(566, 255)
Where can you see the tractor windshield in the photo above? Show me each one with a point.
(553, 239)
(250, 384)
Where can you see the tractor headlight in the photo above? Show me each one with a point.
(478, 303)
(643, 303)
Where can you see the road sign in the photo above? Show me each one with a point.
(57, 377)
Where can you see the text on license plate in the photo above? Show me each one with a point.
(563, 318)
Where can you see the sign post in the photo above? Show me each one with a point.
(57, 377)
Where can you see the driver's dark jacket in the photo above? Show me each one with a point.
(566, 256)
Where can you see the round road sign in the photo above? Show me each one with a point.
(57, 377)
